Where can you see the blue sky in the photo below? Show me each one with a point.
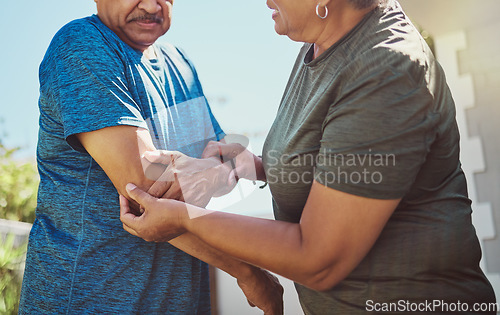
(242, 63)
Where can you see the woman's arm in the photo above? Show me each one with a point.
(335, 233)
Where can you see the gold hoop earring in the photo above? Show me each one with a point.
(321, 16)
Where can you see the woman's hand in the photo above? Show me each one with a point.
(243, 162)
(161, 220)
(188, 179)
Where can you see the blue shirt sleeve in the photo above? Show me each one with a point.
(87, 80)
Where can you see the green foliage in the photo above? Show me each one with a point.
(427, 37)
(10, 280)
(429, 40)
(18, 187)
(18, 190)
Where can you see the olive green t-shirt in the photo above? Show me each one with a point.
(373, 117)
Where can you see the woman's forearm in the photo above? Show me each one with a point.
(321, 250)
(273, 245)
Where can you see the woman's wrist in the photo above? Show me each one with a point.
(186, 215)
(181, 211)
(259, 168)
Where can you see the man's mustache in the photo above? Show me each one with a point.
(146, 17)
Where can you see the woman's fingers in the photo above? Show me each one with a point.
(175, 190)
(127, 217)
(161, 187)
(130, 230)
(224, 151)
(139, 195)
(161, 156)
(212, 149)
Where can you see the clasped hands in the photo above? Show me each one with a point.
(183, 186)
(195, 181)
(180, 177)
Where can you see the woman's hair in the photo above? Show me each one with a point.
(363, 4)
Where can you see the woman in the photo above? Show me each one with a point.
(363, 166)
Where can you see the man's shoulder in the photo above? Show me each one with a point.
(86, 36)
(78, 27)
(80, 32)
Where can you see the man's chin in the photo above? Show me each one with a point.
(143, 43)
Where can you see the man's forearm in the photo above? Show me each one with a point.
(259, 287)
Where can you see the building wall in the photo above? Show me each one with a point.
(480, 60)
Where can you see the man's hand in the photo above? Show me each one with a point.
(188, 179)
(263, 290)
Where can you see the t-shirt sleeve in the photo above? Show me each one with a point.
(89, 85)
(376, 136)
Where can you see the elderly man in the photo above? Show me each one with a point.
(109, 93)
